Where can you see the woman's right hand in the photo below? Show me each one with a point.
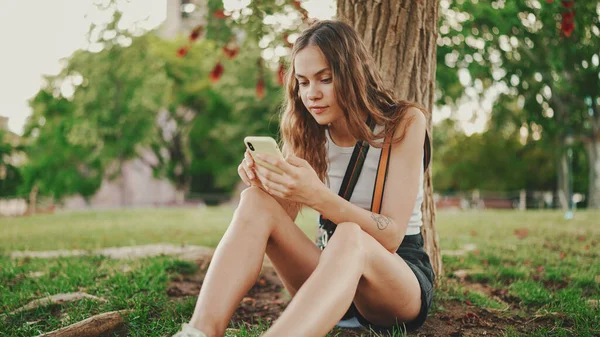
(246, 171)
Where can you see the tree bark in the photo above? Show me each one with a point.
(592, 147)
(122, 181)
(562, 188)
(401, 35)
(593, 152)
(95, 326)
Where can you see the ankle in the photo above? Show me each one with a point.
(208, 330)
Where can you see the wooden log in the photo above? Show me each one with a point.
(94, 326)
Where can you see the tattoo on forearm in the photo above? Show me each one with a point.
(381, 221)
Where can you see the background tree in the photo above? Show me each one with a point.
(57, 164)
(10, 175)
(545, 55)
(491, 162)
(401, 35)
(101, 110)
(208, 114)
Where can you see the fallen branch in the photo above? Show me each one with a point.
(94, 326)
(56, 299)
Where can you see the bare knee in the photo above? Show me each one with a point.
(254, 194)
(258, 207)
(348, 240)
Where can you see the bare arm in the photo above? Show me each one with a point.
(400, 193)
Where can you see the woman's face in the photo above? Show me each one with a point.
(315, 83)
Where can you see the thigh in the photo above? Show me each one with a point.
(389, 289)
(293, 254)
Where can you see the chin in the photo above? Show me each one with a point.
(322, 120)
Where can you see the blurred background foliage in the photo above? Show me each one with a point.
(184, 105)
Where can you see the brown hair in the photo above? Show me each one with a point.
(355, 78)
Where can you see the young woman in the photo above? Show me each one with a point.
(375, 263)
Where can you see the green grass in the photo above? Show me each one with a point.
(551, 272)
(91, 230)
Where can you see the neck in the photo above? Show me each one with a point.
(340, 133)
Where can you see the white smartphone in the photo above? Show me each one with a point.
(263, 144)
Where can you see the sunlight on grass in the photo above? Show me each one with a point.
(534, 262)
(90, 230)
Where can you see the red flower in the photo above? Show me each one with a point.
(567, 25)
(217, 72)
(196, 33)
(231, 50)
(568, 4)
(570, 15)
(220, 14)
(281, 73)
(260, 88)
(303, 12)
(181, 52)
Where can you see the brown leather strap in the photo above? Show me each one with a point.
(384, 160)
(382, 168)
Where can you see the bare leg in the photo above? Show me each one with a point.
(354, 266)
(234, 268)
(328, 292)
(258, 224)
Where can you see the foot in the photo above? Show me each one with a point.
(189, 331)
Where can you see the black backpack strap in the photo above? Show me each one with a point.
(326, 227)
(426, 151)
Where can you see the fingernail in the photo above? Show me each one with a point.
(251, 176)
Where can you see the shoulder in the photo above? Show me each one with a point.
(412, 126)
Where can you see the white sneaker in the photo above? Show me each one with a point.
(189, 331)
(351, 323)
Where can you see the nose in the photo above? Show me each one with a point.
(313, 92)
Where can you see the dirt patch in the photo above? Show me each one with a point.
(267, 299)
(264, 302)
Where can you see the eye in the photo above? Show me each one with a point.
(302, 84)
(326, 80)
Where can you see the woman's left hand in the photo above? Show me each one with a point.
(298, 183)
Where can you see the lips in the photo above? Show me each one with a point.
(318, 109)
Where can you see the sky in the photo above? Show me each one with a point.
(37, 34)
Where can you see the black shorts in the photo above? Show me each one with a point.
(413, 253)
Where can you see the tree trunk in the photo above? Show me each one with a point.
(401, 35)
(592, 147)
(122, 182)
(562, 188)
(593, 152)
(180, 195)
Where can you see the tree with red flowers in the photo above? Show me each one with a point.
(238, 29)
(546, 56)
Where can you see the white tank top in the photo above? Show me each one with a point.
(339, 157)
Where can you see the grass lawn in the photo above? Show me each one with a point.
(529, 267)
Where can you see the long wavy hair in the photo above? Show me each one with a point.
(355, 78)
